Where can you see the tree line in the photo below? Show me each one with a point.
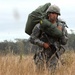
(25, 47)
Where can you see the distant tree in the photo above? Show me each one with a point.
(71, 41)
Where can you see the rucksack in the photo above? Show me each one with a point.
(50, 29)
(35, 16)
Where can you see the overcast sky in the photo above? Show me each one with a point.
(12, 27)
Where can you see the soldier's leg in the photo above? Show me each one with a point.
(39, 59)
(51, 64)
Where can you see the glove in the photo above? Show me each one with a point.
(46, 45)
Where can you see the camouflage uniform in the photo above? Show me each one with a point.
(47, 55)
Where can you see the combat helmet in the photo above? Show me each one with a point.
(53, 9)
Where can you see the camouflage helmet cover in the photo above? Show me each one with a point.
(54, 9)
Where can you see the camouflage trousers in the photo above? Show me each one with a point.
(47, 58)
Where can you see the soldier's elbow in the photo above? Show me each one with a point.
(64, 40)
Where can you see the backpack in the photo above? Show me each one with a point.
(35, 16)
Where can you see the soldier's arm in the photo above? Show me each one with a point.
(64, 38)
(34, 38)
(62, 27)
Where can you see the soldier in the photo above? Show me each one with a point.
(48, 46)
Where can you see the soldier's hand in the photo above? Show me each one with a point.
(46, 45)
(60, 28)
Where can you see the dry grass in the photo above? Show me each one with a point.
(11, 65)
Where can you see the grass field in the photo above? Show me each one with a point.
(12, 65)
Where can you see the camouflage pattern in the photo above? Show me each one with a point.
(53, 9)
(35, 34)
(42, 54)
(64, 38)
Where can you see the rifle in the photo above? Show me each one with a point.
(53, 47)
